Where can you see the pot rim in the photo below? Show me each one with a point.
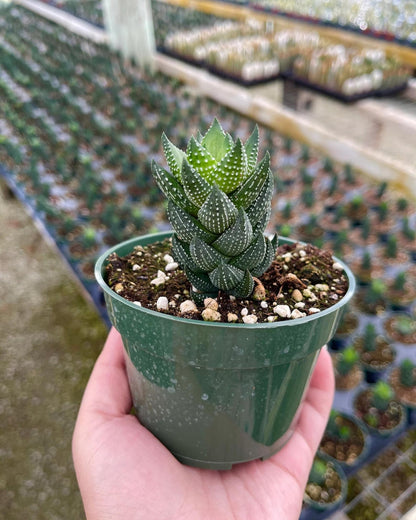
(101, 262)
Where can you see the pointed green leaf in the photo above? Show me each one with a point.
(256, 210)
(217, 213)
(215, 141)
(172, 189)
(237, 237)
(244, 196)
(252, 149)
(186, 226)
(253, 255)
(200, 281)
(182, 255)
(268, 257)
(226, 277)
(206, 257)
(245, 287)
(174, 156)
(263, 222)
(196, 188)
(200, 159)
(230, 141)
(199, 136)
(232, 170)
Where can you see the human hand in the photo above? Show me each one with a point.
(125, 473)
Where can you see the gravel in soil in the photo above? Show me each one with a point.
(302, 280)
(344, 450)
(329, 492)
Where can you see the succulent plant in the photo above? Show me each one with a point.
(370, 338)
(335, 428)
(219, 204)
(318, 473)
(407, 372)
(382, 395)
(348, 358)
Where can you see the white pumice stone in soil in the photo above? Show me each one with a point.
(314, 310)
(162, 303)
(211, 303)
(322, 287)
(168, 259)
(282, 310)
(231, 317)
(300, 305)
(307, 293)
(263, 305)
(244, 312)
(139, 304)
(296, 313)
(136, 267)
(337, 266)
(211, 315)
(171, 266)
(188, 306)
(250, 318)
(271, 319)
(297, 295)
(160, 278)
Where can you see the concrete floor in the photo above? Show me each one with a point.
(49, 340)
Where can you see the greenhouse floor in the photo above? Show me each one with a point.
(50, 339)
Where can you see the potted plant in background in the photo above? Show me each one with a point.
(345, 439)
(348, 324)
(401, 327)
(376, 353)
(402, 291)
(326, 489)
(380, 410)
(214, 391)
(348, 373)
(403, 382)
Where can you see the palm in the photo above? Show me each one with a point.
(125, 472)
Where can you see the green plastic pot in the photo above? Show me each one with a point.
(217, 394)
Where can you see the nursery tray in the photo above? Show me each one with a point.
(392, 91)
(235, 78)
(181, 57)
(379, 35)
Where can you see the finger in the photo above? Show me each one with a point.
(107, 392)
